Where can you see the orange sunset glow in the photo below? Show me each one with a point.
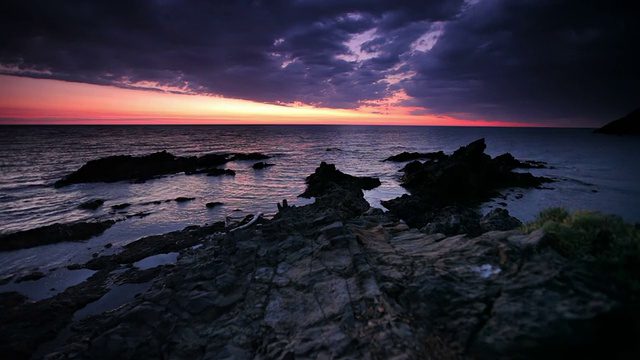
(43, 101)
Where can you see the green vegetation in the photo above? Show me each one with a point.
(606, 240)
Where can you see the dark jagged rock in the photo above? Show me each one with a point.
(181, 199)
(220, 172)
(467, 177)
(627, 125)
(409, 156)
(326, 174)
(284, 206)
(51, 234)
(141, 168)
(363, 287)
(261, 165)
(211, 160)
(327, 280)
(508, 162)
(211, 205)
(91, 204)
(126, 167)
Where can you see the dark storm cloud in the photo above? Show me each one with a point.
(534, 61)
(273, 51)
(504, 60)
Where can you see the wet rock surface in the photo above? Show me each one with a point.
(336, 279)
(77, 231)
(141, 168)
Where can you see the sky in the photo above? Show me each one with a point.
(572, 63)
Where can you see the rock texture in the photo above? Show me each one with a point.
(338, 280)
(51, 234)
(626, 125)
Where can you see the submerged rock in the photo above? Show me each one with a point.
(51, 234)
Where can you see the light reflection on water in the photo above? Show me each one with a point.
(582, 163)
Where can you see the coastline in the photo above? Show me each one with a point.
(334, 278)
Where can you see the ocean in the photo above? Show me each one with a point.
(591, 171)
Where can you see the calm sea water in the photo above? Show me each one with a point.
(595, 172)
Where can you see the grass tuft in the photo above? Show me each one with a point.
(606, 240)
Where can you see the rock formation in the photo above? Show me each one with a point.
(465, 178)
(626, 125)
(141, 168)
(336, 279)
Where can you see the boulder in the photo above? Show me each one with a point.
(319, 182)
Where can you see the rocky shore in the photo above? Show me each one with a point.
(338, 279)
(142, 168)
